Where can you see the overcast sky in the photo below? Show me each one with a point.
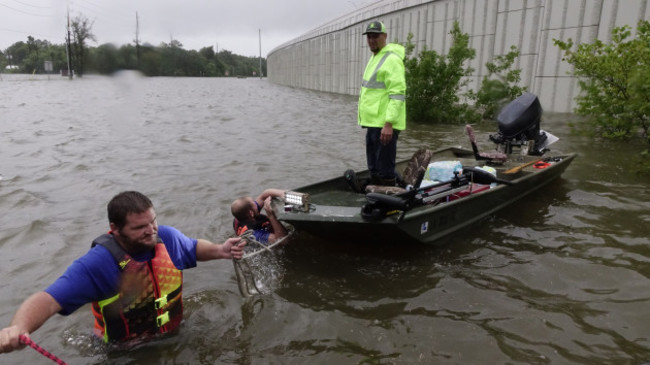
(234, 25)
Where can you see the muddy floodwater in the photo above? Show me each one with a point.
(561, 277)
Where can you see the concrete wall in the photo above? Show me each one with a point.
(331, 57)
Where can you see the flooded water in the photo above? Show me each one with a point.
(561, 277)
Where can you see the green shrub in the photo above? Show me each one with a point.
(499, 87)
(433, 81)
(615, 82)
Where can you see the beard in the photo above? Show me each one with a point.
(138, 245)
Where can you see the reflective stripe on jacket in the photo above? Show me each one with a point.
(150, 299)
(383, 89)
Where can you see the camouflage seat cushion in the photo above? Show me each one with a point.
(413, 172)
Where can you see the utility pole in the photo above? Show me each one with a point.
(67, 48)
(260, 35)
(137, 42)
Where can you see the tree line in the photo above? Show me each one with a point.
(166, 59)
(613, 77)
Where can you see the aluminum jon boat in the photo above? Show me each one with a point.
(441, 191)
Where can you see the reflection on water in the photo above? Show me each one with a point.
(560, 277)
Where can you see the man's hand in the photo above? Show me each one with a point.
(9, 339)
(232, 248)
(386, 134)
(235, 246)
(267, 207)
(31, 315)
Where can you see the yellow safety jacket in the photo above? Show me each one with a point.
(383, 89)
(150, 299)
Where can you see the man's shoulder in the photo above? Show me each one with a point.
(174, 237)
(95, 258)
(169, 231)
(396, 49)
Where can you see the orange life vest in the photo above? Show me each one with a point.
(261, 222)
(149, 300)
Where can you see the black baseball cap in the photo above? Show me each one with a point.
(375, 27)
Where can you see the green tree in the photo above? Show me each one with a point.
(31, 62)
(31, 56)
(220, 65)
(16, 55)
(81, 34)
(614, 78)
(166, 60)
(499, 86)
(433, 81)
(128, 57)
(56, 53)
(3, 61)
(104, 59)
(172, 54)
(150, 61)
(207, 52)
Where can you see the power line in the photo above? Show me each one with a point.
(96, 13)
(114, 14)
(108, 10)
(32, 5)
(102, 15)
(24, 12)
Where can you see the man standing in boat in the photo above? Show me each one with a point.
(382, 103)
(131, 275)
(247, 212)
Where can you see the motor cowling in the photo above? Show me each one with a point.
(519, 125)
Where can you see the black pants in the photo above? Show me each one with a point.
(381, 159)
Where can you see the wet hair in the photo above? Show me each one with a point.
(240, 208)
(124, 203)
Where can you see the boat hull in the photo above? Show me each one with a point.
(335, 211)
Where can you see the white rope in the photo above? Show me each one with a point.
(248, 236)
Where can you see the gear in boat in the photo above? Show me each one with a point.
(519, 126)
(474, 185)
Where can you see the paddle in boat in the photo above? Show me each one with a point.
(441, 191)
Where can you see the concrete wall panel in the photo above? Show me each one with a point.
(632, 16)
(332, 57)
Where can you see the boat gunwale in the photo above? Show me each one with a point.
(566, 159)
(403, 219)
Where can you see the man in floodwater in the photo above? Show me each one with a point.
(247, 211)
(131, 275)
(382, 104)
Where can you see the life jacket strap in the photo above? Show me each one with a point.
(162, 320)
(162, 301)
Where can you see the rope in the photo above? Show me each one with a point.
(250, 238)
(245, 280)
(27, 341)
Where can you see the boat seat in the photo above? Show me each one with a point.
(493, 156)
(412, 175)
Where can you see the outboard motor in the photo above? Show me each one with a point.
(519, 125)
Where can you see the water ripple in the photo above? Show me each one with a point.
(559, 277)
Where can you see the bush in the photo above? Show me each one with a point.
(433, 81)
(615, 82)
(499, 87)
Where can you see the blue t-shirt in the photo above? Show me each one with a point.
(95, 276)
(261, 235)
